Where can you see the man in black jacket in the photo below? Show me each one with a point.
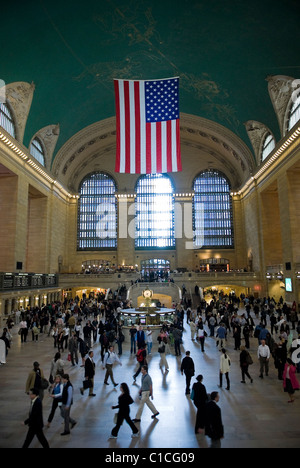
(89, 375)
(188, 367)
(214, 428)
(35, 421)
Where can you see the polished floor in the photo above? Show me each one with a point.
(256, 415)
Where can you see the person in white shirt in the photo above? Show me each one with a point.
(23, 331)
(149, 340)
(109, 359)
(263, 355)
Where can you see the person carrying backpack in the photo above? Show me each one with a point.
(141, 359)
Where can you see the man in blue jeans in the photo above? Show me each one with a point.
(221, 335)
(133, 332)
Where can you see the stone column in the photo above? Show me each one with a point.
(184, 231)
(126, 230)
(288, 211)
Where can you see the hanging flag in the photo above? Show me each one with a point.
(148, 126)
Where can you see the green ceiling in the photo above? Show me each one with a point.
(222, 51)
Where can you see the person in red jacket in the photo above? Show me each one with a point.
(290, 382)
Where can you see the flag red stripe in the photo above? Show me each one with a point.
(179, 164)
(169, 146)
(117, 99)
(158, 148)
(148, 149)
(137, 127)
(127, 127)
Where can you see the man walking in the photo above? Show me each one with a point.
(214, 428)
(263, 355)
(67, 402)
(89, 375)
(35, 420)
(146, 392)
(109, 359)
(188, 368)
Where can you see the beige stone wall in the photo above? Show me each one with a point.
(8, 216)
(33, 218)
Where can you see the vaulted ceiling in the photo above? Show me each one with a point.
(222, 51)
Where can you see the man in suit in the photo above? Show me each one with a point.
(188, 368)
(35, 420)
(214, 428)
(140, 338)
(89, 374)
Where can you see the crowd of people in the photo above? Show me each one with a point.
(76, 326)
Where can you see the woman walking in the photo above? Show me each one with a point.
(245, 361)
(201, 336)
(163, 359)
(57, 367)
(225, 364)
(290, 382)
(125, 401)
(200, 398)
(56, 394)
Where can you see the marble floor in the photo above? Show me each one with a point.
(256, 415)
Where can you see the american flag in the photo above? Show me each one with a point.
(148, 126)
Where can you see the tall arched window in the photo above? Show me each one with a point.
(97, 213)
(37, 151)
(294, 113)
(268, 146)
(6, 120)
(154, 213)
(213, 219)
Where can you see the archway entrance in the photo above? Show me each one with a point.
(224, 292)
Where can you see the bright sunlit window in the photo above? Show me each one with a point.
(154, 213)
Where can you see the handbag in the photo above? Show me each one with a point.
(44, 384)
(87, 384)
(249, 360)
(116, 419)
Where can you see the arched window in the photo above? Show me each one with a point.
(97, 213)
(268, 146)
(294, 113)
(213, 219)
(6, 120)
(37, 151)
(154, 213)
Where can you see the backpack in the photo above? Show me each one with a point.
(140, 355)
(249, 360)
